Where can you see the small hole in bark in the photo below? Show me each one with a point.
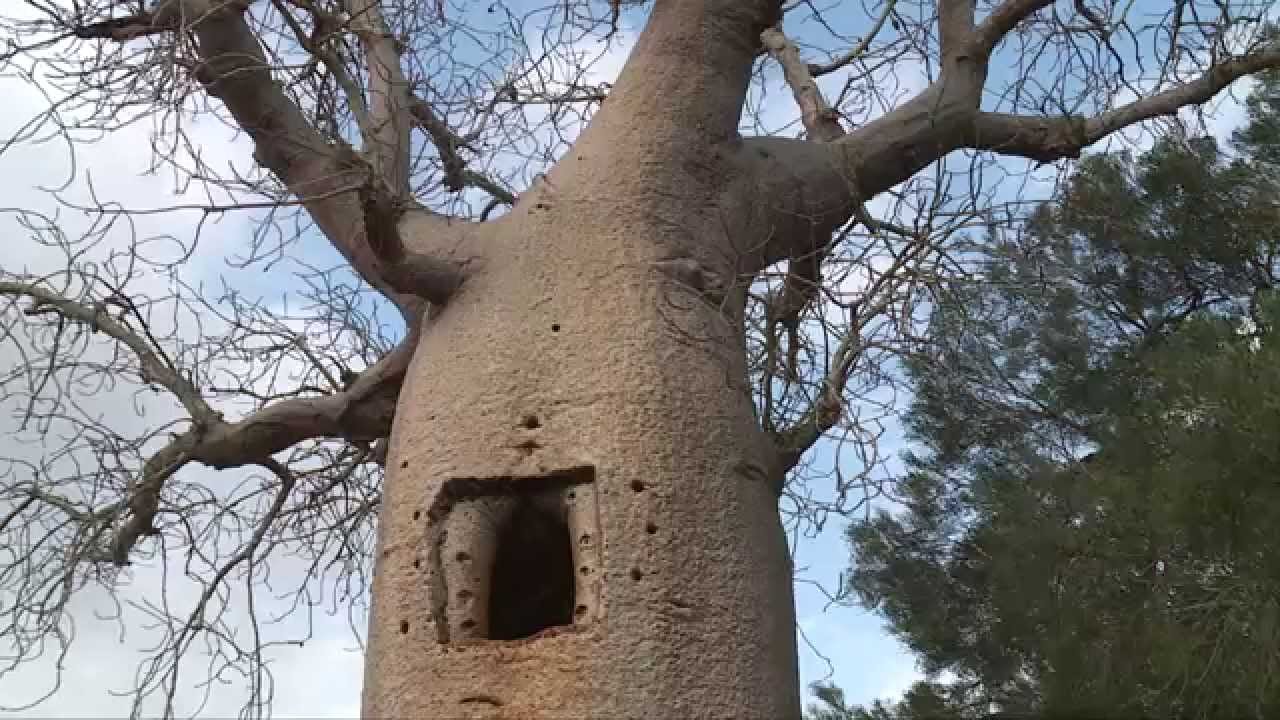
(417, 514)
(584, 570)
(651, 528)
(417, 563)
(462, 557)
(531, 422)
(404, 464)
(637, 486)
(404, 627)
(468, 624)
(580, 610)
(555, 327)
(585, 540)
(636, 574)
(571, 495)
(464, 594)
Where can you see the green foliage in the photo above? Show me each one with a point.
(923, 701)
(1089, 523)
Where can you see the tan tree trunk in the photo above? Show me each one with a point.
(580, 363)
(579, 518)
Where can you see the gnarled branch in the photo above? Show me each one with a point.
(457, 176)
(360, 413)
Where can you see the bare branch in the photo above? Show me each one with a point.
(235, 71)
(955, 26)
(827, 408)
(803, 279)
(389, 98)
(153, 367)
(1004, 18)
(361, 413)
(857, 51)
(121, 29)
(411, 273)
(1052, 138)
(318, 42)
(820, 120)
(457, 176)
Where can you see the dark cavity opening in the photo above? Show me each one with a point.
(532, 586)
(535, 567)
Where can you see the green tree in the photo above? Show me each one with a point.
(922, 701)
(1088, 522)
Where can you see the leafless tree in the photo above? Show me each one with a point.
(536, 261)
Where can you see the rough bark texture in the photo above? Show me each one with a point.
(575, 347)
(579, 340)
(630, 374)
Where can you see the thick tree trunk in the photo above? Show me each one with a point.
(581, 362)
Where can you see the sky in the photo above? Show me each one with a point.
(848, 645)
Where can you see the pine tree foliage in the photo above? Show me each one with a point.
(1090, 508)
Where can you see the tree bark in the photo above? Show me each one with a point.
(572, 349)
(597, 339)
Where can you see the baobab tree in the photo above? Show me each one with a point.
(624, 312)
